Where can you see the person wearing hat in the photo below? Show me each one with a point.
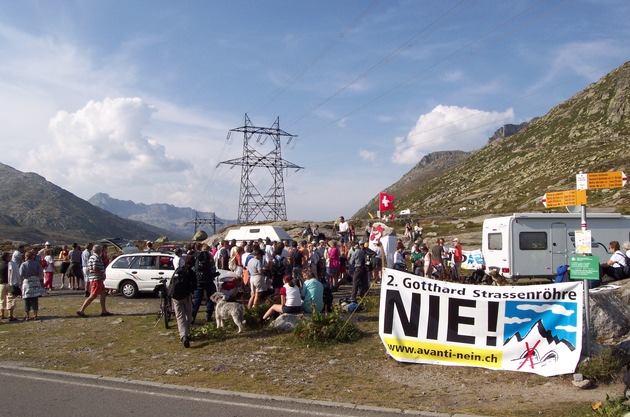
(458, 258)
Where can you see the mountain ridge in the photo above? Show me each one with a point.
(589, 132)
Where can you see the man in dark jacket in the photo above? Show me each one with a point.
(183, 285)
(205, 272)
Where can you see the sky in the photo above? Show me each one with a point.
(136, 98)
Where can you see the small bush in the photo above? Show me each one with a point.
(601, 367)
(326, 328)
(254, 315)
(207, 331)
(610, 408)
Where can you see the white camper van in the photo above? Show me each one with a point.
(526, 245)
(254, 232)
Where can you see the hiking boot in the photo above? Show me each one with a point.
(186, 342)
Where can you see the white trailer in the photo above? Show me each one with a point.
(527, 245)
(259, 231)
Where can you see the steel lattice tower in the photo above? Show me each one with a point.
(252, 203)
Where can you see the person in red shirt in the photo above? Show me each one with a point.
(458, 257)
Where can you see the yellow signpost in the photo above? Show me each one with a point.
(564, 198)
(596, 180)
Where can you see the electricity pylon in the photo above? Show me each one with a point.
(271, 205)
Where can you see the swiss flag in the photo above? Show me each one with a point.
(385, 202)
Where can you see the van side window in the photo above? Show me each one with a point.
(495, 242)
(532, 240)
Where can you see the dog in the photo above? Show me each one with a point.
(224, 310)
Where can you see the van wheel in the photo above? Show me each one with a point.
(129, 289)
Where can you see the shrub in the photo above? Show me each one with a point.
(254, 315)
(601, 367)
(611, 408)
(207, 331)
(326, 328)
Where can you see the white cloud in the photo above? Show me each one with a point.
(448, 128)
(367, 155)
(554, 308)
(516, 320)
(102, 147)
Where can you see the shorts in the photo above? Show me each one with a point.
(343, 237)
(258, 284)
(64, 267)
(7, 297)
(291, 309)
(96, 286)
(31, 304)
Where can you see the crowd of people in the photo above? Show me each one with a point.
(28, 274)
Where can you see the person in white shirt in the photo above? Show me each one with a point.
(613, 267)
(343, 231)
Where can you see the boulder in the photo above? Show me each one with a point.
(610, 313)
(287, 322)
(200, 236)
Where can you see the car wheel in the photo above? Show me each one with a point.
(129, 289)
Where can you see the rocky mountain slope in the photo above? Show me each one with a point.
(588, 132)
(175, 219)
(35, 210)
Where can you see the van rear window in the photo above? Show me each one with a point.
(532, 240)
(495, 241)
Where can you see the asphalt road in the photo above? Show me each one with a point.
(26, 392)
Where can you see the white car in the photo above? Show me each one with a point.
(134, 273)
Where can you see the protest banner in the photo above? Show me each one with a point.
(534, 328)
(473, 259)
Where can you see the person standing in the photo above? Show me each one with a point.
(75, 273)
(96, 275)
(85, 257)
(49, 270)
(205, 273)
(458, 258)
(7, 298)
(360, 276)
(65, 264)
(332, 270)
(32, 276)
(343, 231)
(257, 282)
(181, 289)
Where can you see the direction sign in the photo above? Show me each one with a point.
(615, 179)
(564, 198)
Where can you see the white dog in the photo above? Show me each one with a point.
(225, 310)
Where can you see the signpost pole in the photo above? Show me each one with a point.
(585, 283)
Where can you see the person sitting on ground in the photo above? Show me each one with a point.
(290, 301)
(312, 293)
(614, 266)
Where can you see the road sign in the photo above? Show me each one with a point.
(584, 267)
(564, 198)
(594, 180)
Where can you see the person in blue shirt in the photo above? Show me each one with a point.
(312, 292)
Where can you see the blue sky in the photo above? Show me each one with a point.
(136, 98)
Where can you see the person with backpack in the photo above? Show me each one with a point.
(617, 264)
(278, 269)
(205, 273)
(180, 289)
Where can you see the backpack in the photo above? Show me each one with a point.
(625, 268)
(178, 288)
(278, 268)
(204, 264)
